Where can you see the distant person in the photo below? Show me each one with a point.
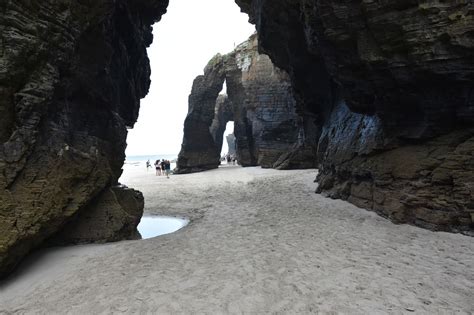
(233, 159)
(148, 165)
(162, 164)
(227, 157)
(158, 167)
(167, 168)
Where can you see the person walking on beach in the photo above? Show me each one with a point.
(167, 168)
(158, 167)
(162, 164)
(148, 165)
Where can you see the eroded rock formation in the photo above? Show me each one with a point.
(72, 74)
(260, 101)
(385, 88)
(111, 216)
(391, 85)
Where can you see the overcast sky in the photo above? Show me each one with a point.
(186, 38)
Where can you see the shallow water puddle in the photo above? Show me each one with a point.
(151, 226)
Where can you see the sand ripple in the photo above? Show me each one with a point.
(259, 241)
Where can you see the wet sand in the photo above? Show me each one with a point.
(259, 241)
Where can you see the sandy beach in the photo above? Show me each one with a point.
(258, 241)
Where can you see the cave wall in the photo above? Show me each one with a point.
(260, 101)
(72, 75)
(391, 87)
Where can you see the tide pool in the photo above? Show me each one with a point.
(152, 226)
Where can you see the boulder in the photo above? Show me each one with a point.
(112, 216)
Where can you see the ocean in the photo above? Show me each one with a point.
(140, 160)
(133, 159)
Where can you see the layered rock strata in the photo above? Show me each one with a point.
(391, 86)
(111, 216)
(261, 104)
(72, 75)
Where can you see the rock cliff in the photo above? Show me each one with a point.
(72, 74)
(260, 101)
(391, 86)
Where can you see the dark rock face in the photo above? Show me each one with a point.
(261, 104)
(73, 73)
(391, 86)
(199, 150)
(112, 216)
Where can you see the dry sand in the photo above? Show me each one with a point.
(259, 241)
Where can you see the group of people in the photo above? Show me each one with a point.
(162, 167)
(229, 158)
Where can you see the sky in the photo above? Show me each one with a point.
(185, 39)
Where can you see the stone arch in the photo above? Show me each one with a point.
(261, 104)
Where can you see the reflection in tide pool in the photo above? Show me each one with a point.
(152, 226)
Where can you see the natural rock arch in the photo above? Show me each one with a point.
(268, 130)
